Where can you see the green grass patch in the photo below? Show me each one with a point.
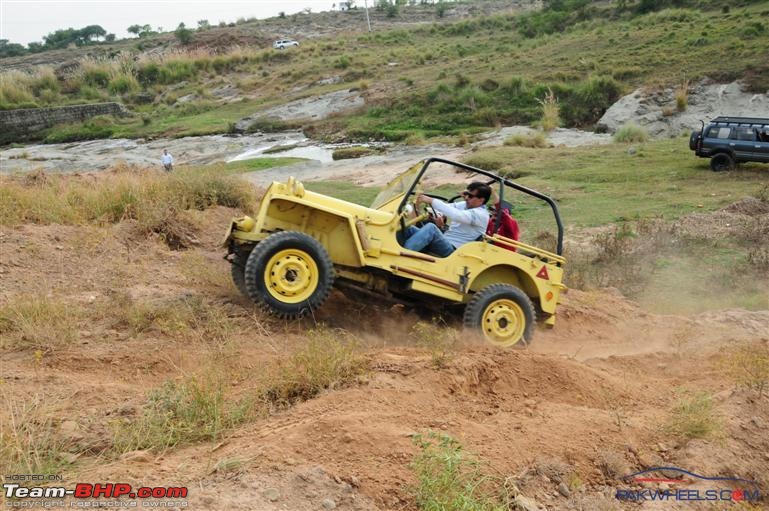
(181, 412)
(346, 153)
(345, 190)
(451, 479)
(256, 164)
(602, 184)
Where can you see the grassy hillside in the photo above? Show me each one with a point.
(427, 80)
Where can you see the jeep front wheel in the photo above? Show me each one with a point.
(289, 274)
(721, 162)
(503, 314)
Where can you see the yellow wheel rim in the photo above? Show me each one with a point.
(291, 276)
(503, 322)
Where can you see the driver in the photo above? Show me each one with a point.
(469, 219)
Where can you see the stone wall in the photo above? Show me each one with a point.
(18, 123)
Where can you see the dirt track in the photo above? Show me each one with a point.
(587, 401)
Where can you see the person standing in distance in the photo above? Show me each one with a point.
(167, 160)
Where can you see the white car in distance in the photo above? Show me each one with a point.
(282, 44)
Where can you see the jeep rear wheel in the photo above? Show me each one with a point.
(289, 274)
(503, 314)
(721, 162)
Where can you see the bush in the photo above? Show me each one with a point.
(344, 153)
(450, 479)
(96, 128)
(527, 140)
(180, 412)
(748, 366)
(550, 111)
(631, 132)
(123, 84)
(134, 195)
(694, 417)
(329, 360)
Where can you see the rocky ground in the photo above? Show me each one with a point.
(658, 112)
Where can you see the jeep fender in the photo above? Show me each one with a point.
(505, 274)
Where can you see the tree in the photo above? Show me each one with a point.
(140, 30)
(109, 38)
(11, 49)
(35, 47)
(183, 34)
(203, 25)
(89, 33)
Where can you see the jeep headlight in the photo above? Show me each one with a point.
(245, 223)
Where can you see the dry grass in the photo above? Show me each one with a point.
(694, 416)
(40, 322)
(29, 443)
(15, 89)
(682, 96)
(631, 132)
(439, 339)
(551, 118)
(527, 140)
(180, 412)
(329, 360)
(748, 366)
(154, 200)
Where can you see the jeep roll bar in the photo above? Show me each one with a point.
(494, 179)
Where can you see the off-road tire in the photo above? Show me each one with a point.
(238, 272)
(721, 162)
(302, 255)
(483, 308)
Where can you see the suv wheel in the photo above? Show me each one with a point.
(289, 274)
(503, 313)
(721, 162)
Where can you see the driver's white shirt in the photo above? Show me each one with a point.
(466, 224)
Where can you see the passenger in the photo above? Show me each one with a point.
(508, 227)
(469, 219)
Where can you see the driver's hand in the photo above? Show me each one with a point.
(422, 198)
(440, 221)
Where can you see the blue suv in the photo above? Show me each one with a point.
(730, 140)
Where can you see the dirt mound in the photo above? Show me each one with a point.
(749, 206)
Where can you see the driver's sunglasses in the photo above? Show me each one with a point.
(469, 195)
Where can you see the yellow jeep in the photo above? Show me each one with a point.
(302, 243)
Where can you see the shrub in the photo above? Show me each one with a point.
(682, 96)
(550, 111)
(328, 360)
(174, 71)
(344, 153)
(450, 479)
(14, 89)
(694, 417)
(748, 366)
(95, 128)
(631, 132)
(127, 196)
(180, 412)
(123, 84)
(148, 73)
(527, 140)
(96, 76)
(343, 62)
(37, 322)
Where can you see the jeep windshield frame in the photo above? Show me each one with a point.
(493, 179)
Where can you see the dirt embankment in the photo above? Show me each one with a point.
(587, 404)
